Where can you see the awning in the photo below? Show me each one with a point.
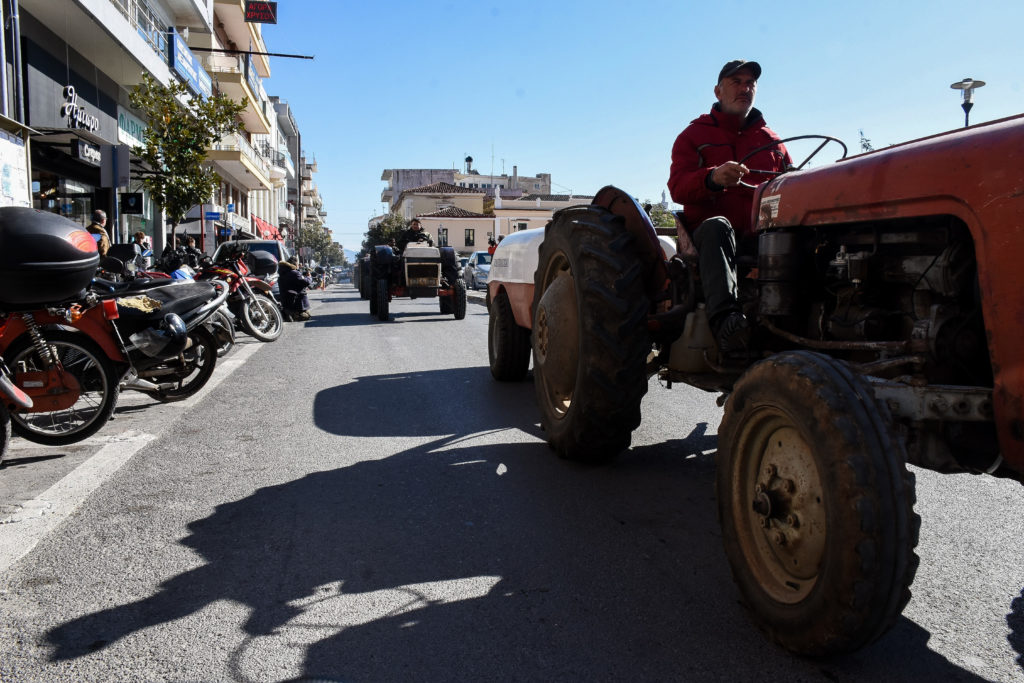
(265, 230)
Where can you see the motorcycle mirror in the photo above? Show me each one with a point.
(111, 264)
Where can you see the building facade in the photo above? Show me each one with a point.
(69, 67)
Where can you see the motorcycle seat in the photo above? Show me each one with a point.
(181, 298)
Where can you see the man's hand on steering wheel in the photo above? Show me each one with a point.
(729, 174)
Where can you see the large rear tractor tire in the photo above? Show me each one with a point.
(382, 294)
(508, 344)
(816, 505)
(459, 299)
(590, 340)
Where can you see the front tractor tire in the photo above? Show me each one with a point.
(589, 339)
(816, 505)
(508, 344)
(382, 296)
(459, 299)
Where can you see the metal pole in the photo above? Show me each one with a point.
(967, 113)
(3, 63)
(19, 90)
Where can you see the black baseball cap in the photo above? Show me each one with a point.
(735, 65)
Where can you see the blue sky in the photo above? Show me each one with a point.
(595, 92)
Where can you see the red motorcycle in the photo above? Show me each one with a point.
(251, 298)
(71, 350)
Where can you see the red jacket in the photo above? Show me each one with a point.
(709, 141)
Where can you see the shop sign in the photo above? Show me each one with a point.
(260, 12)
(131, 130)
(185, 64)
(87, 152)
(76, 114)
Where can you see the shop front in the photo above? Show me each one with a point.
(73, 108)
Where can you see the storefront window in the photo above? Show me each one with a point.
(69, 198)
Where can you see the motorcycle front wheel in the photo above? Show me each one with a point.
(262, 318)
(90, 369)
(192, 368)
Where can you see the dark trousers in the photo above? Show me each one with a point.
(715, 241)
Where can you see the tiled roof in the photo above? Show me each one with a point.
(556, 197)
(443, 188)
(454, 212)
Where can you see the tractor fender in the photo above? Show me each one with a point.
(638, 223)
(383, 259)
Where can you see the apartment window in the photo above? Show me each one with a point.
(470, 237)
(536, 186)
(521, 226)
(442, 236)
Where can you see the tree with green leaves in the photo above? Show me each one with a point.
(385, 231)
(181, 130)
(865, 142)
(660, 216)
(322, 250)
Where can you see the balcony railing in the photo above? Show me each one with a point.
(239, 64)
(270, 154)
(146, 21)
(236, 142)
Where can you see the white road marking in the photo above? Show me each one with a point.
(31, 521)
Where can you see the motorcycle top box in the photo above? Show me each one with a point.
(261, 263)
(44, 258)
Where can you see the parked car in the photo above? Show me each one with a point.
(274, 247)
(477, 269)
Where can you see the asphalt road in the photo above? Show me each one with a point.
(359, 501)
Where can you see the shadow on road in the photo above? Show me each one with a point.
(12, 462)
(336, 320)
(1015, 620)
(467, 557)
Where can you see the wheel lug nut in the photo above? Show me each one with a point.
(759, 488)
(790, 486)
(770, 470)
(780, 538)
(792, 521)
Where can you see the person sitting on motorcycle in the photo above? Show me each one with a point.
(706, 179)
(192, 253)
(293, 285)
(414, 233)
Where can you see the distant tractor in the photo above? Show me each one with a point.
(420, 272)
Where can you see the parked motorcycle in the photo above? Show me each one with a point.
(251, 300)
(70, 350)
(117, 275)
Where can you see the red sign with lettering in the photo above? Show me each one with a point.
(260, 12)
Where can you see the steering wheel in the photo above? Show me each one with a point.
(825, 139)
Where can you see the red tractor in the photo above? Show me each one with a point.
(886, 298)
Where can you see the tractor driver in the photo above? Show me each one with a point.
(705, 178)
(414, 233)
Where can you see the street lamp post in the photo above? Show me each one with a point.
(968, 86)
